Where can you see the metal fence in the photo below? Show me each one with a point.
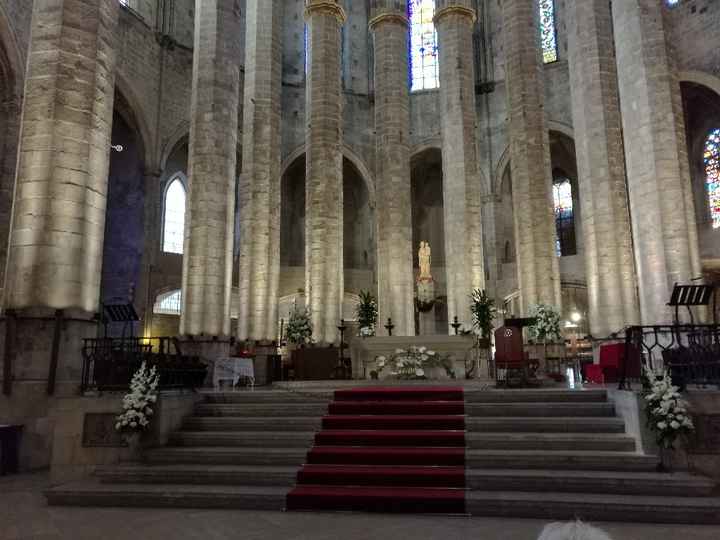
(109, 363)
(690, 352)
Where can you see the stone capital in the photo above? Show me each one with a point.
(454, 9)
(389, 17)
(329, 7)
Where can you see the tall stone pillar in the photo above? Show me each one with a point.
(56, 238)
(324, 172)
(212, 161)
(260, 182)
(661, 204)
(454, 21)
(389, 25)
(52, 279)
(609, 265)
(537, 263)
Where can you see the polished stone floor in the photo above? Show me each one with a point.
(25, 516)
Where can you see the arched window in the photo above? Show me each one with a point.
(424, 65)
(711, 158)
(564, 217)
(169, 303)
(548, 31)
(174, 217)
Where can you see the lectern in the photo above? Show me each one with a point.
(509, 350)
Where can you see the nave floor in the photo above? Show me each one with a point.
(24, 515)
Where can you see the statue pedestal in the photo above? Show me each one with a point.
(427, 323)
(364, 351)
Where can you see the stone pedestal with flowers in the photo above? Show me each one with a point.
(138, 407)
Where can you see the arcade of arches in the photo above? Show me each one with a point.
(283, 155)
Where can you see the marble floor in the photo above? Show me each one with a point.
(25, 516)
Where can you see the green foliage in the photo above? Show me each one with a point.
(483, 312)
(547, 324)
(299, 328)
(367, 311)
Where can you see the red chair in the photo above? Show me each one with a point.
(612, 363)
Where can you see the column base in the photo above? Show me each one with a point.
(32, 341)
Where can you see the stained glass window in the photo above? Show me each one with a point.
(711, 158)
(564, 217)
(169, 303)
(548, 31)
(424, 66)
(174, 219)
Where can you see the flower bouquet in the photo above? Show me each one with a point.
(666, 411)
(138, 404)
(299, 328)
(414, 363)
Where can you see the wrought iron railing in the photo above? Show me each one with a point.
(691, 352)
(109, 363)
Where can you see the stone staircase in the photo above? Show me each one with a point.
(551, 454)
(238, 450)
(555, 454)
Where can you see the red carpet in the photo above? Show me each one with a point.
(387, 450)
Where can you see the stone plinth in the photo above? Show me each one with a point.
(364, 351)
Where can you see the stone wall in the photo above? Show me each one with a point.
(83, 431)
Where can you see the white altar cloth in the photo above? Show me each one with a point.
(231, 369)
(364, 351)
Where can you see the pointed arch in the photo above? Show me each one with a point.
(174, 199)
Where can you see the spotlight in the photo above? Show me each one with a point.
(117, 147)
(575, 316)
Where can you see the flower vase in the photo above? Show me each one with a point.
(132, 439)
(667, 458)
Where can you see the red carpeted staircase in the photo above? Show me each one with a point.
(389, 450)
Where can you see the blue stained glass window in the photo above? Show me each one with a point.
(548, 31)
(564, 217)
(424, 65)
(711, 158)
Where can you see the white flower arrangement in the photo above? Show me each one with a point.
(666, 411)
(547, 324)
(138, 403)
(412, 363)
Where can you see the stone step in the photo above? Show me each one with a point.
(266, 396)
(250, 423)
(252, 439)
(168, 496)
(560, 459)
(540, 409)
(619, 482)
(551, 441)
(536, 396)
(227, 455)
(236, 475)
(558, 424)
(267, 409)
(594, 507)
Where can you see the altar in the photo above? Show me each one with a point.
(364, 351)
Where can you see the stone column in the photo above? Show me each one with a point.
(324, 172)
(661, 204)
(389, 25)
(454, 21)
(609, 266)
(260, 182)
(212, 161)
(10, 110)
(56, 238)
(144, 300)
(52, 279)
(537, 263)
